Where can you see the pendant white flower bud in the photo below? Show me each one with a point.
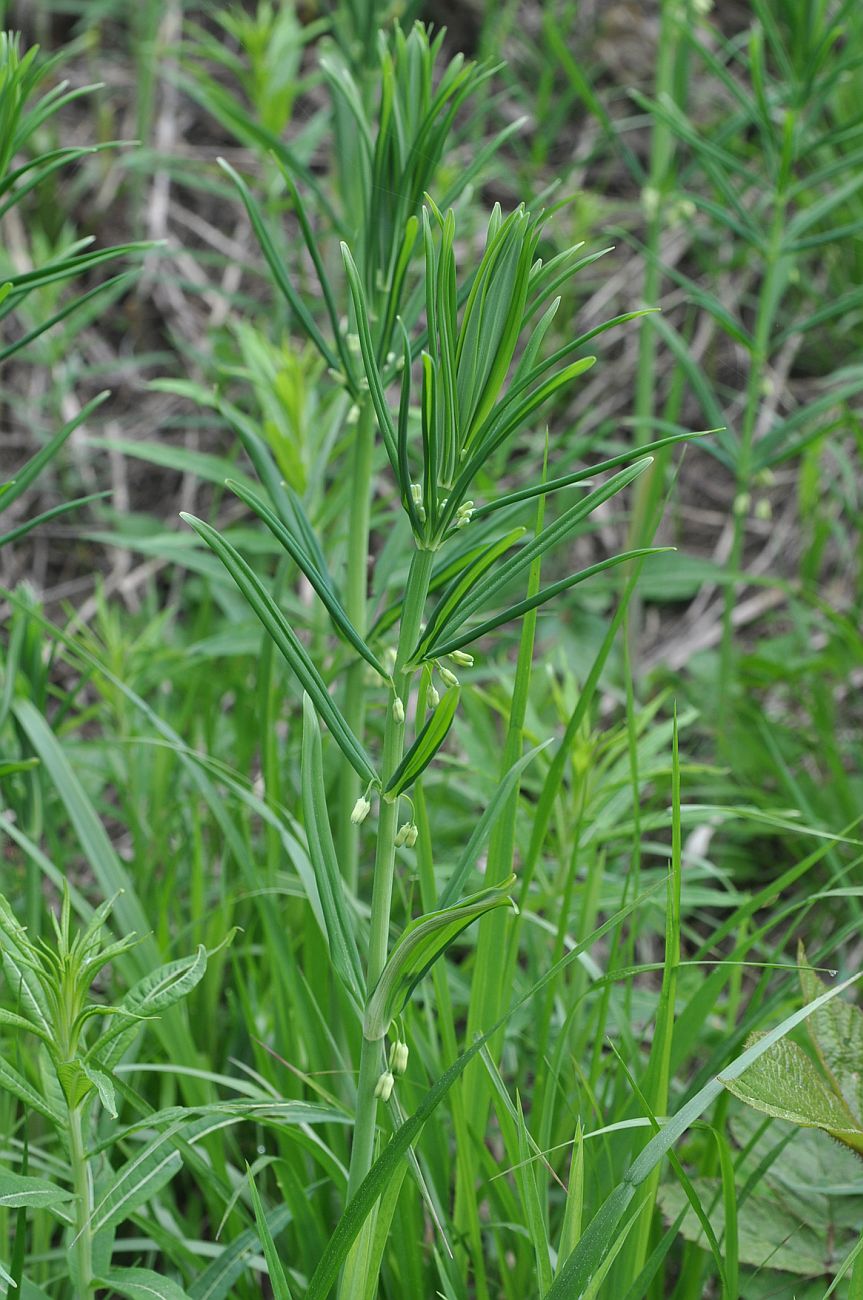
(384, 1086)
(362, 808)
(433, 697)
(448, 677)
(463, 658)
(399, 1058)
(398, 709)
(411, 835)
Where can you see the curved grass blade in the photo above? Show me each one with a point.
(15, 534)
(34, 466)
(288, 644)
(141, 1284)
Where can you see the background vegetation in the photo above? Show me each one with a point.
(667, 757)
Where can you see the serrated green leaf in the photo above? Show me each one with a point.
(836, 1031)
(418, 948)
(785, 1083)
(342, 944)
(426, 745)
(287, 643)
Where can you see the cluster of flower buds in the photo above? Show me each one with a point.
(417, 498)
(398, 1064)
(463, 514)
(462, 658)
(407, 834)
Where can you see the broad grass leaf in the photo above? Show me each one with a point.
(155, 993)
(142, 1284)
(35, 1193)
(423, 941)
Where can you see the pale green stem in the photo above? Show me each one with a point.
(83, 1247)
(356, 603)
(416, 590)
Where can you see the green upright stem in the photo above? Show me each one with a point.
(83, 1247)
(356, 599)
(362, 1152)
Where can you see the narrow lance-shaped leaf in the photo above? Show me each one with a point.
(426, 745)
(418, 949)
(36, 1193)
(318, 581)
(275, 1270)
(287, 642)
(278, 270)
(462, 583)
(343, 947)
(541, 598)
(373, 375)
(552, 536)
